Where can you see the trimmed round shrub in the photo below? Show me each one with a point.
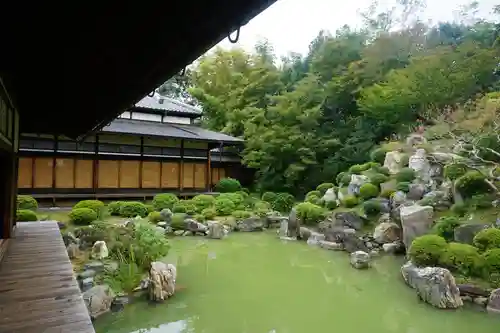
(114, 207)
(236, 198)
(283, 202)
(445, 227)
(203, 201)
(473, 182)
(368, 191)
(25, 215)
(26, 202)
(487, 239)
(463, 258)
(427, 250)
(241, 214)
(378, 155)
(460, 209)
(224, 206)
(133, 209)
(164, 200)
(313, 193)
(150, 208)
(331, 205)
(82, 216)
(322, 188)
(387, 193)
(455, 170)
(372, 207)
(403, 186)
(209, 213)
(269, 197)
(309, 213)
(261, 208)
(491, 262)
(378, 179)
(185, 206)
(178, 221)
(405, 175)
(359, 168)
(350, 201)
(95, 205)
(227, 185)
(383, 170)
(154, 217)
(343, 178)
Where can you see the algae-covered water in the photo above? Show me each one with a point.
(254, 283)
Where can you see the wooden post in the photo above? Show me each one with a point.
(181, 168)
(95, 167)
(54, 160)
(141, 162)
(209, 171)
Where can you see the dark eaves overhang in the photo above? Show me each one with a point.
(71, 67)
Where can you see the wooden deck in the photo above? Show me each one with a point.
(38, 291)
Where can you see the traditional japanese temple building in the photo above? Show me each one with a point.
(152, 147)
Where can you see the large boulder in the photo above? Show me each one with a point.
(434, 285)
(273, 219)
(353, 243)
(330, 245)
(215, 230)
(99, 250)
(283, 230)
(416, 221)
(394, 161)
(350, 219)
(293, 227)
(465, 233)
(329, 196)
(387, 232)
(166, 215)
(419, 163)
(98, 300)
(162, 278)
(415, 191)
(250, 224)
(494, 302)
(195, 226)
(360, 260)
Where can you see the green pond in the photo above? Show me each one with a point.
(255, 283)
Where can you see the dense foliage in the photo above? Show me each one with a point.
(27, 202)
(306, 118)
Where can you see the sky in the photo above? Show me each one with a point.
(290, 25)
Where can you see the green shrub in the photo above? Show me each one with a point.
(487, 239)
(241, 214)
(372, 207)
(224, 206)
(455, 170)
(368, 191)
(403, 186)
(133, 209)
(185, 206)
(96, 205)
(200, 218)
(228, 185)
(473, 182)
(154, 217)
(359, 168)
(481, 201)
(343, 178)
(309, 213)
(25, 215)
(209, 213)
(203, 201)
(283, 202)
(322, 188)
(237, 199)
(491, 262)
(178, 221)
(445, 227)
(150, 208)
(82, 216)
(269, 197)
(164, 200)
(427, 250)
(486, 142)
(378, 155)
(387, 193)
(313, 193)
(405, 175)
(463, 258)
(261, 208)
(114, 207)
(350, 201)
(331, 205)
(378, 179)
(383, 170)
(26, 202)
(405, 160)
(459, 209)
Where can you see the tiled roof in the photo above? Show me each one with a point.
(177, 131)
(168, 104)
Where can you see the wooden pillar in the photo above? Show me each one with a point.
(181, 167)
(208, 177)
(54, 173)
(95, 167)
(141, 162)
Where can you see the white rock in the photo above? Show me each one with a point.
(329, 195)
(360, 259)
(394, 161)
(99, 250)
(162, 279)
(419, 163)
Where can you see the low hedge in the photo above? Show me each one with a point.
(25, 215)
(82, 216)
(26, 202)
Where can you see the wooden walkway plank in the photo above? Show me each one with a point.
(38, 290)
